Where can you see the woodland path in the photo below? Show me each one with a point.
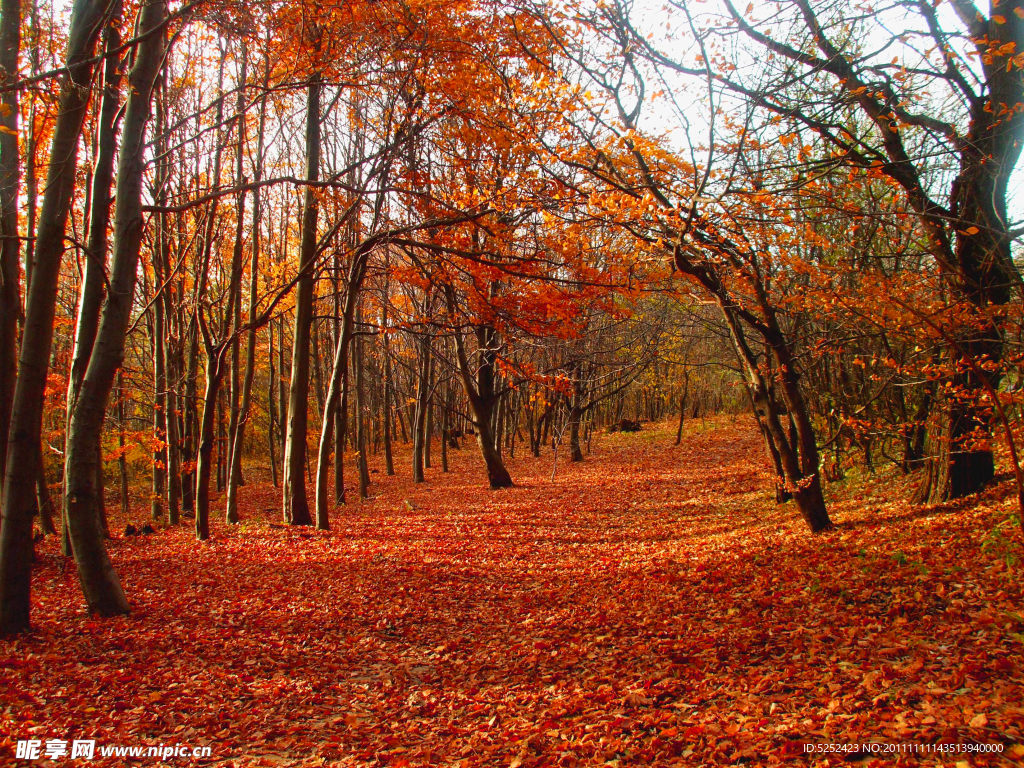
(650, 606)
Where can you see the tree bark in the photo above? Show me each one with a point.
(296, 506)
(235, 474)
(233, 471)
(19, 496)
(100, 583)
(575, 449)
(207, 436)
(337, 389)
(10, 270)
(799, 460)
(482, 398)
(389, 461)
(420, 418)
(361, 415)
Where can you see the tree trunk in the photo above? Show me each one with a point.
(361, 415)
(429, 428)
(100, 583)
(271, 409)
(92, 290)
(420, 419)
(336, 390)
(682, 406)
(235, 473)
(122, 463)
(10, 270)
(207, 437)
(801, 471)
(19, 496)
(389, 461)
(338, 382)
(44, 502)
(445, 426)
(296, 506)
(159, 400)
(482, 398)
(233, 469)
(575, 449)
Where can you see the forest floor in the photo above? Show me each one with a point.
(650, 606)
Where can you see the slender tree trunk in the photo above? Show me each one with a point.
(389, 461)
(445, 427)
(19, 496)
(188, 450)
(271, 409)
(173, 473)
(235, 474)
(296, 506)
(122, 462)
(429, 430)
(282, 395)
(361, 414)
(337, 394)
(233, 471)
(10, 270)
(420, 419)
(44, 501)
(221, 439)
(100, 583)
(682, 406)
(159, 400)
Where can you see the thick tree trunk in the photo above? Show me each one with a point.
(207, 437)
(92, 290)
(19, 496)
(482, 399)
(10, 277)
(100, 583)
(799, 462)
(983, 273)
(808, 493)
(575, 449)
(296, 506)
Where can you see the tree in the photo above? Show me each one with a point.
(10, 272)
(18, 504)
(100, 583)
(296, 505)
(943, 124)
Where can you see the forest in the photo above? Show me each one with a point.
(511, 383)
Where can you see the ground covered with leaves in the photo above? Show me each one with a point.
(651, 606)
